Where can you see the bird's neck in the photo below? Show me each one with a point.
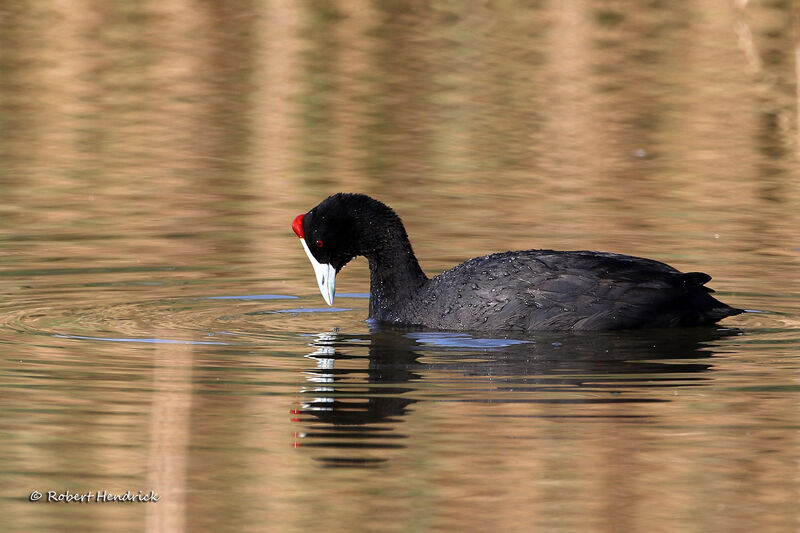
(394, 272)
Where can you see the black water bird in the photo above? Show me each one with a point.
(527, 290)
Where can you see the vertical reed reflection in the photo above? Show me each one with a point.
(170, 113)
(170, 430)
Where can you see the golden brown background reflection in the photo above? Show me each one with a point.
(160, 328)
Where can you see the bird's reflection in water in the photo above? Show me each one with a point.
(356, 407)
(361, 387)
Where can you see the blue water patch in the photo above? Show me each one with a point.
(124, 339)
(462, 340)
(311, 310)
(253, 297)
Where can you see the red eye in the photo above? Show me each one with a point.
(319, 244)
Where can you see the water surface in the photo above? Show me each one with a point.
(161, 329)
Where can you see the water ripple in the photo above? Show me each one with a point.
(157, 341)
(243, 319)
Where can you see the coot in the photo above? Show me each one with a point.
(512, 291)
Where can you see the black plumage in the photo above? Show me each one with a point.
(511, 291)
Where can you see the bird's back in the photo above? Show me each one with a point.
(550, 290)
